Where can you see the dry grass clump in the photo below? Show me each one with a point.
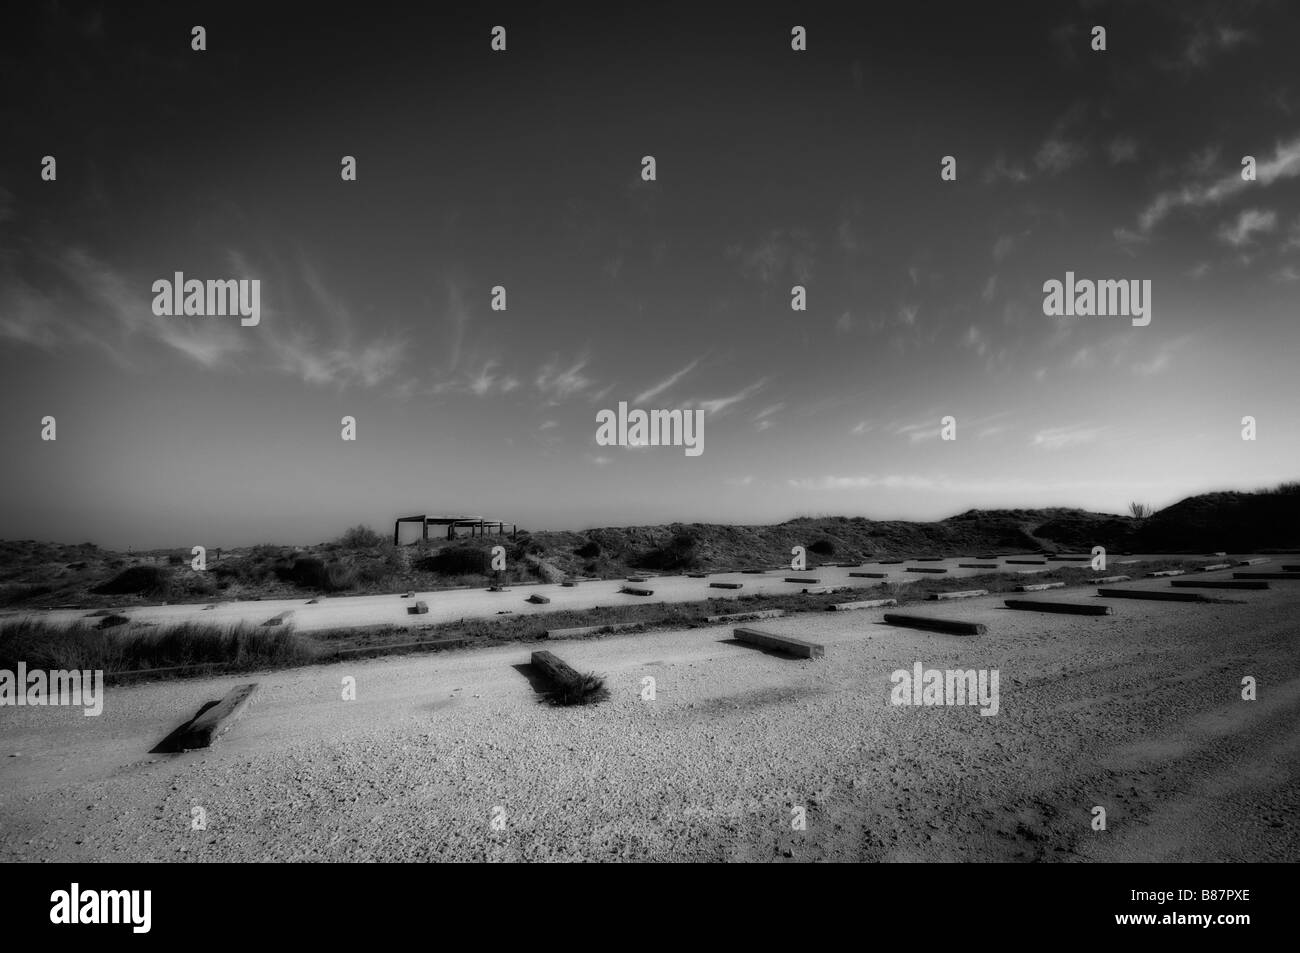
(587, 690)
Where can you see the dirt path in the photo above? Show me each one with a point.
(450, 605)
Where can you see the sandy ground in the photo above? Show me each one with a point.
(453, 605)
(1139, 712)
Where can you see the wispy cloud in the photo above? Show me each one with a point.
(1247, 224)
(919, 432)
(1060, 438)
(1058, 154)
(762, 419)
(719, 404)
(487, 381)
(1284, 163)
(1002, 170)
(92, 290)
(556, 381)
(781, 254)
(1208, 39)
(1122, 149)
(1013, 488)
(656, 389)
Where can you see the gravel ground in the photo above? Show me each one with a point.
(1139, 712)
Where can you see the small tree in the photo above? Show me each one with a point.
(1140, 511)
(360, 537)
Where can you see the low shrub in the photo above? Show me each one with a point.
(137, 580)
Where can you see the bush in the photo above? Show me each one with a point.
(678, 553)
(588, 690)
(137, 580)
(248, 570)
(588, 550)
(194, 584)
(823, 547)
(373, 571)
(455, 561)
(308, 572)
(13, 595)
(360, 537)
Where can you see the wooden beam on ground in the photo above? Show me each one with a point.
(930, 569)
(930, 624)
(1071, 608)
(726, 585)
(964, 594)
(216, 721)
(1040, 586)
(637, 591)
(1166, 572)
(784, 643)
(1293, 576)
(977, 565)
(1161, 595)
(556, 671)
(807, 580)
(1026, 562)
(1220, 583)
(869, 575)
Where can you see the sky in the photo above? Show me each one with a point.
(523, 169)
